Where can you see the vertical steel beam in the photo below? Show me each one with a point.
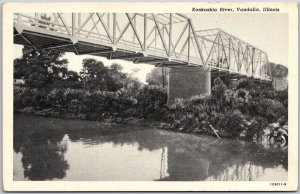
(260, 66)
(229, 45)
(79, 19)
(170, 35)
(134, 26)
(189, 44)
(37, 16)
(19, 19)
(155, 38)
(252, 60)
(239, 65)
(73, 24)
(197, 42)
(114, 27)
(268, 67)
(224, 51)
(218, 63)
(108, 23)
(145, 31)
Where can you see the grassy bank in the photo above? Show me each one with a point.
(240, 112)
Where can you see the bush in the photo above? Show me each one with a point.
(272, 110)
(218, 89)
(231, 122)
(55, 98)
(282, 96)
(24, 97)
(151, 101)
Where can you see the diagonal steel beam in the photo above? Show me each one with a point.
(29, 42)
(135, 32)
(228, 65)
(160, 34)
(94, 26)
(179, 38)
(104, 26)
(64, 23)
(212, 47)
(197, 42)
(124, 30)
(85, 22)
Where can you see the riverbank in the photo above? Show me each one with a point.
(241, 112)
(33, 124)
(30, 124)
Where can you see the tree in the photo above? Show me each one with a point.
(93, 74)
(40, 68)
(97, 76)
(71, 80)
(278, 70)
(155, 77)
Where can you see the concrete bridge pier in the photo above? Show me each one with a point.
(185, 82)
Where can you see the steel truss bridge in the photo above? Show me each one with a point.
(166, 40)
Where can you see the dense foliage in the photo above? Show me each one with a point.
(146, 102)
(247, 108)
(40, 69)
(278, 70)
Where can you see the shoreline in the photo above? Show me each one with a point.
(65, 125)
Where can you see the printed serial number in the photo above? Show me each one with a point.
(278, 184)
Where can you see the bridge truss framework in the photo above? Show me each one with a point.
(165, 39)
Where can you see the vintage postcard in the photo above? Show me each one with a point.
(150, 96)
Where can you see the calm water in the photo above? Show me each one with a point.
(143, 155)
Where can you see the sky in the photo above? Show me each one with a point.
(269, 32)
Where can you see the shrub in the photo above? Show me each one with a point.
(151, 100)
(245, 83)
(55, 98)
(272, 110)
(282, 96)
(218, 89)
(232, 122)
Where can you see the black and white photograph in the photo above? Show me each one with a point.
(198, 95)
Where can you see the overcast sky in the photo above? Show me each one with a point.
(269, 32)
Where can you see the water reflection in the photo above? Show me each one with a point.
(146, 155)
(42, 156)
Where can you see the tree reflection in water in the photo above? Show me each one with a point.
(192, 158)
(183, 157)
(42, 155)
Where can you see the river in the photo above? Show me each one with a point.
(140, 154)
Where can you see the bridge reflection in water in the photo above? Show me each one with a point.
(144, 155)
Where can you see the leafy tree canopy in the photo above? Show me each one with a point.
(97, 76)
(278, 70)
(40, 68)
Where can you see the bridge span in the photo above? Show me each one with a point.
(160, 39)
